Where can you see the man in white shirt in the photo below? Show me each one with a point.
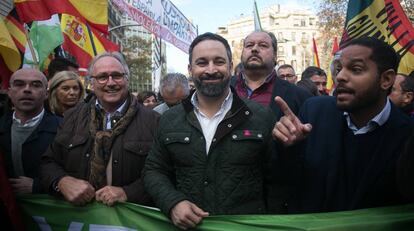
(211, 152)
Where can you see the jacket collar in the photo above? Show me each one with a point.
(237, 105)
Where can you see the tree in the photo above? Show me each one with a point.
(331, 15)
(408, 6)
(138, 53)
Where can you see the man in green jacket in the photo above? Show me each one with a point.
(210, 153)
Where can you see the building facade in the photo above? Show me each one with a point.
(293, 28)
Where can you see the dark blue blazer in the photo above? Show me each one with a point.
(33, 148)
(317, 161)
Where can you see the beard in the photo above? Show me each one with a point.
(211, 89)
(253, 66)
(360, 101)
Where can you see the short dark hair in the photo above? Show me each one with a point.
(311, 71)
(407, 85)
(142, 96)
(209, 36)
(309, 86)
(382, 53)
(284, 66)
(59, 64)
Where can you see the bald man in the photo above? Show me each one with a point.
(26, 132)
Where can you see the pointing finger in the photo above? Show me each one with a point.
(284, 107)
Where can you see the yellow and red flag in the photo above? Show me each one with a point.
(315, 54)
(95, 12)
(385, 20)
(15, 27)
(335, 48)
(79, 43)
(12, 42)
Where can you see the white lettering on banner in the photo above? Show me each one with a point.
(162, 19)
(43, 225)
(77, 226)
(94, 227)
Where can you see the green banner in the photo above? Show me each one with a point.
(42, 212)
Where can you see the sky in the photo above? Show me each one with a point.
(208, 15)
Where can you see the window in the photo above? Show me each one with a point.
(281, 50)
(280, 36)
(294, 36)
(293, 50)
(302, 22)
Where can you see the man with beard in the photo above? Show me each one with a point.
(402, 94)
(345, 148)
(101, 148)
(210, 152)
(258, 81)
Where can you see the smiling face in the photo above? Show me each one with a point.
(360, 86)
(210, 68)
(112, 93)
(258, 53)
(28, 92)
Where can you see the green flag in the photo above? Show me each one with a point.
(45, 36)
(41, 212)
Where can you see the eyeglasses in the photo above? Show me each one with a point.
(104, 77)
(288, 76)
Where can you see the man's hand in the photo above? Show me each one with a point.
(289, 129)
(186, 215)
(110, 194)
(76, 191)
(22, 184)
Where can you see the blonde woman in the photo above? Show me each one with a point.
(65, 91)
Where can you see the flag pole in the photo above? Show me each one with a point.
(29, 42)
(91, 37)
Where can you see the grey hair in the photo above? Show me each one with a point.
(116, 55)
(172, 81)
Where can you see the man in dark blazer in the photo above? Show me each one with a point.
(258, 81)
(27, 131)
(343, 150)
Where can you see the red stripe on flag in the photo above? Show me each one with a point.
(33, 10)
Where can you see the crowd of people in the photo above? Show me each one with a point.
(245, 140)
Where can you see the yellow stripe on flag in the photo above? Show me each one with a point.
(8, 49)
(97, 15)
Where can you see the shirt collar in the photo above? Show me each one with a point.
(31, 122)
(226, 103)
(117, 111)
(375, 122)
(266, 80)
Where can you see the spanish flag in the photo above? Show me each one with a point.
(15, 27)
(79, 43)
(10, 57)
(315, 54)
(95, 12)
(335, 48)
(385, 20)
